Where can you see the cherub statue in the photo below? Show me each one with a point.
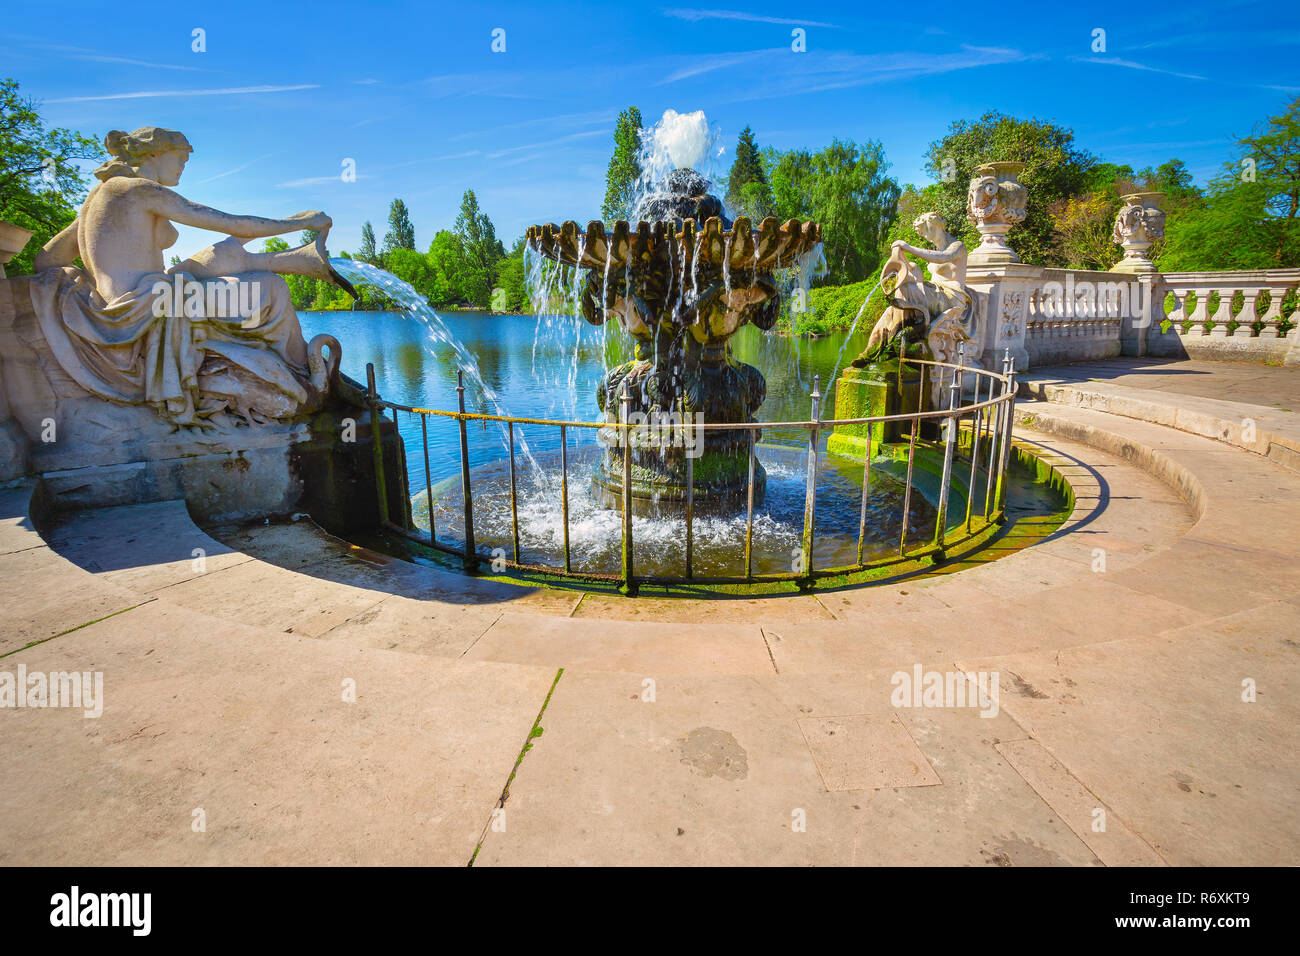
(923, 317)
(120, 333)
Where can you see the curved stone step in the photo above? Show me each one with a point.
(1271, 431)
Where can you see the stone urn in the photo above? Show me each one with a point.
(995, 202)
(1140, 223)
(12, 240)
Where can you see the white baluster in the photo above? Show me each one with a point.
(1222, 314)
(1247, 317)
(1201, 314)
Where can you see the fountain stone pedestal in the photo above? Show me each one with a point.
(876, 390)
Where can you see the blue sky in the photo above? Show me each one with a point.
(414, 94)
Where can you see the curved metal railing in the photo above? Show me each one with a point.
(976, 432)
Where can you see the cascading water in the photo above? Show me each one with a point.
(415, 304)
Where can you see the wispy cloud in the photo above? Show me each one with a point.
(1131, 65)
(98, 58)
(315, 181)
(694, 16)
(429, 159)
(604, 117)
(783, 74)
(1221, 39)
(84, 53)
(547, 143)
(700, 65)
(237, 169)
(147, 94)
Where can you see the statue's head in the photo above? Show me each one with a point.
(930, 225)
(151, 152)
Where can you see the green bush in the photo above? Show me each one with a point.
(833, 309)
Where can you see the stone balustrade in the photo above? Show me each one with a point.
(1077, 315)
(1247, 315)
(1042, 316)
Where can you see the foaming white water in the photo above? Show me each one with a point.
(595, 531)
(677, 141)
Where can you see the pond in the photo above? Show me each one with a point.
(542, 367)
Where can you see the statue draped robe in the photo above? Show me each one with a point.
(138, 350)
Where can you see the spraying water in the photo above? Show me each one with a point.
(852, 331)
(362, 273)
(677, 141)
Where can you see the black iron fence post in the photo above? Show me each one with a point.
(376, 421)
(810, 492)
(471, 555)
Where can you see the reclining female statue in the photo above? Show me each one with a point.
(124, 332)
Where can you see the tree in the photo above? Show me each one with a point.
(303, 290)
(368, 253)
(447, 262)
(300, 293)
(1274, 155)
(40, 187)
(401, 234)
(855, 203)
(789, 177)
(1084, 226)
(410, 266)
(1055, 169)
(511, 280)
(624, 166)
(844, 188)
(747, 187)
(481, 249)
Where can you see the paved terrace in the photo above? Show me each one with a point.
(1120, 689)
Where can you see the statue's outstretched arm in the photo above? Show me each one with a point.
(62, 250)
(177, 208)
(954, 252)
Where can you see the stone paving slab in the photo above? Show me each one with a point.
(717, 772)
(44, 595)
(1098, 826)
(250, 727)
(416, 627)
(17, 531)
(1052, 618)
(1158, 730)
(142, 547)
(305, 547)
(647, 607)
(711, 648)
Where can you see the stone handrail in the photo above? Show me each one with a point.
(1205, 321)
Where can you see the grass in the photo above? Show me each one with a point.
(536, 731)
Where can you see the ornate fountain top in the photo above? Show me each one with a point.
(773, 245)
(681, 282)
(672, 274)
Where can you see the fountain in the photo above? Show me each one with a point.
(680, 282)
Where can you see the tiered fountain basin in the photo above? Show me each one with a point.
(680, 290)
